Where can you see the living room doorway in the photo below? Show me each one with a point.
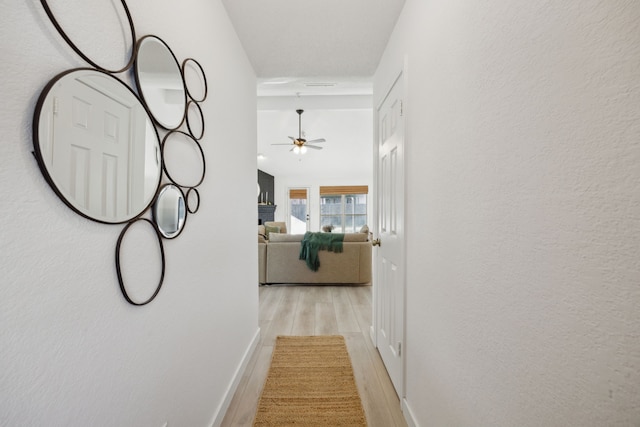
(298, 210)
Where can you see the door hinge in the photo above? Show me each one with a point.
(399, 348)
(401, 109)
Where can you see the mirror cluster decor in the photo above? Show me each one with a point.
(97, 141)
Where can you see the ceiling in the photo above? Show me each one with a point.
(318, 55)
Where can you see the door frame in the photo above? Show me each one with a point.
(402, 72)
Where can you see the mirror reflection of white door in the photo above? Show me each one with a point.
(298, 210)
(94, 153)
(389, 256)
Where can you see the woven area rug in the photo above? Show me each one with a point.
(310, 383)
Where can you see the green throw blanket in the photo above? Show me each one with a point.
(313, 242)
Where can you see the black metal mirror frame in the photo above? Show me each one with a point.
(38, 153)
(164, 164)
(139, 86)
(186, 206)
(204, 79)
(64, 35)
(119, 271)
(195, 191)
(197, 138)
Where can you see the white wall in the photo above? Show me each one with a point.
(72, 351)
(523, 252)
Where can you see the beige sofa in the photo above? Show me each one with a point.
(279, 261)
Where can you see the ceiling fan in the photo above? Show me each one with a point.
(300, 144)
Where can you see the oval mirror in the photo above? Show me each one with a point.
(134, 261)
(169, 211)
(195, 120)
(160, 82)
(97, 146)
(184, 161)
(194, 79)
(193, 200)
(81, 34)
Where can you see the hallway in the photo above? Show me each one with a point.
(319, 310)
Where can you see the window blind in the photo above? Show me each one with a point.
(337, 190)
(298, 193)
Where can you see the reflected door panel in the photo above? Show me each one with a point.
(90, 154)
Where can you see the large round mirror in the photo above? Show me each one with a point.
(97, 146)
(160, 82)
(169, 211)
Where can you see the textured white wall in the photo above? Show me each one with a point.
(72, 351)
(523, 211)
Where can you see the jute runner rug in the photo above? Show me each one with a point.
(310, 383)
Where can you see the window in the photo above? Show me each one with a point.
(344, 208)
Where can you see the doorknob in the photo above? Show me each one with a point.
(376, 242)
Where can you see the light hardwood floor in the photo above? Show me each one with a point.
(319, 310)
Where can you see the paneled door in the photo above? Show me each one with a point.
(389, 284)
(96, 165)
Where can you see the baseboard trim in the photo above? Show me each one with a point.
(235, 381)
(408, 414)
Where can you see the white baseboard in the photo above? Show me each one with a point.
(408, 414)
(233, 386)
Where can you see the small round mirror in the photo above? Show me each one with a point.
(169, 212)
(159, 80)
(97, 146)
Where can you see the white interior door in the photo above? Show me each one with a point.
(92, 154)
(389, 258)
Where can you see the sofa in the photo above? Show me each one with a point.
(278, 258)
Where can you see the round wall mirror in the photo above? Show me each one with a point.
(169, 211)
(159, 80)
(79, 32)
(97, 146)
(194, 79)
(134, 260)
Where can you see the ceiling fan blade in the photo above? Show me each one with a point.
(313, 146)
(292, 138)
(316, 141)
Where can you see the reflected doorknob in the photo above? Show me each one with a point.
(376, 242)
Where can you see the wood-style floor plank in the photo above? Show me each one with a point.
(319, 310)
(368, 383)
(304, 322)
(326, 323)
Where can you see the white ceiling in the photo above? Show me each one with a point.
(318, 55)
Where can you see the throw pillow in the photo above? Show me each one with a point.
(271, 229)
(365, 229)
